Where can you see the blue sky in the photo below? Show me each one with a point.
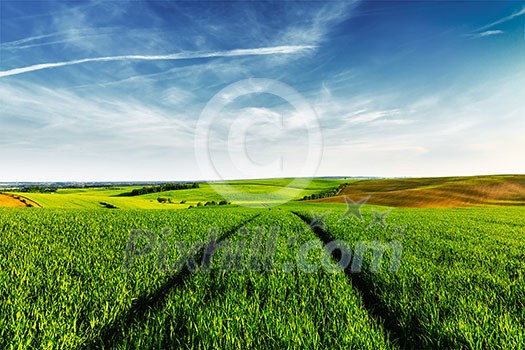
(113, 90)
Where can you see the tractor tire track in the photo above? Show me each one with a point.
(112, 334)
(394, 332)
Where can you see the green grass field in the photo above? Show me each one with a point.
(90, 198)
(75, 275)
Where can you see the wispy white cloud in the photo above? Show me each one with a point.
(63, 37)
(367, 117)
(57, 118)
(29, 40)
(277, 50)
(315, 30)
(424, 134)
(491, 32)
(485, 34)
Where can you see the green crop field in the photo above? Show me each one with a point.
(461, 282)
(90, 198)
(74, 274)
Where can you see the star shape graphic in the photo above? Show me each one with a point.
(379, 218)
(353, 208)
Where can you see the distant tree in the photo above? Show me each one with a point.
(108, 205)
(162, 188)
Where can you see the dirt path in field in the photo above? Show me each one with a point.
(437, 192)
(11, 200)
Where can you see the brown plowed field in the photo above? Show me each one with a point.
(446, 192)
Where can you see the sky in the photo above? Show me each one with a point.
(157, 90)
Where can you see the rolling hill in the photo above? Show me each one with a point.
(440, 192)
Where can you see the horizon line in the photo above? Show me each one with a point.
(251, 179)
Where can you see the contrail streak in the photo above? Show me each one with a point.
(176, 56)
(504, 19)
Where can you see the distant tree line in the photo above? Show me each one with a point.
(162, 188)
(164, 200)
(38, 189)
(331, 193)
(211, 203)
